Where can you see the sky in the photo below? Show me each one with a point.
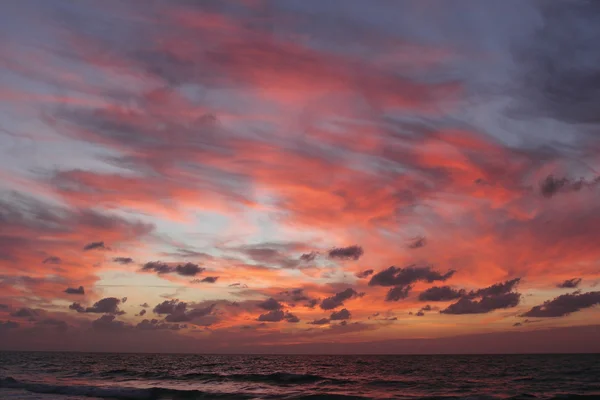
(258, 176)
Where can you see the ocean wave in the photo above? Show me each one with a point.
(277, 378)
(117, 393)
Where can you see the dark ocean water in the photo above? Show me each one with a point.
(162, 376)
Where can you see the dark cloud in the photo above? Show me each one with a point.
(353, 252)
(338, 299)
(78, 290)
(564, 305)
(496, 289)
(308, 257)
(340, 315)
(272, 316)
(485, 305)
(142, 312)
(441, 293)
(108, 305)
(77, 307)
(420, 313)
(6, 325)
(53, 323)
(270, 305)
(124, 300)
(398, 293)
(177, 311)
(170, 307)
(321, 321)
(108, 323)
(154, 324)
(312, 303)
(52, 260)
(394, 276)
(25, 312)
(273, 255)
(208, 279)
(159, 267)
(95, 246)
(517, 324)
(289, 317)
(277, 316)
(145, 305)
(191, 315)
(364, 274)
(551, 185)
(569, 283)
(123, 260)
(3, 306)
(418, 243)
(295, 295)
(188, 269)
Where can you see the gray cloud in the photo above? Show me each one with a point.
(108, 305)
(569, 283)
(312, 303)
(25, 312)
(209, 279)
(364, 274)
(289, 317)
(108, 323)
(340, 315)
(485, 305)
(564, 305)
(551, 185)
(159, 267)
(142, 312)
(52, 260)
(321, 321)
(95, 246)
(403, 278)
(398, 293)
(441, 293)
(53, 323)
(418, 242)
(177, 311)
(79, 290)
(123, 260)
(338, 299)
(393, 276)
(353, 252)
(188, 269)
(308, 257)
(295, 294)
(272, 316)
(5, 325)
(495, 289)
(77, 307)
(170, 307)
(270, 305)
(154, 324)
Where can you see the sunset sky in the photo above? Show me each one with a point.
(300, 175)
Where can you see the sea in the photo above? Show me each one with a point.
(78, 376)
